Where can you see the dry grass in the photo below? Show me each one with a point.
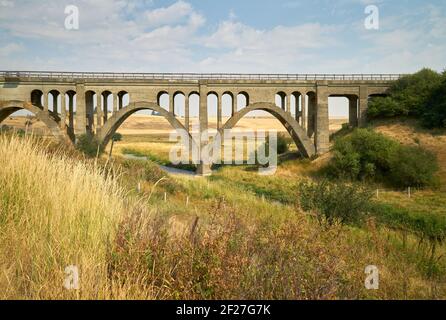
(56, 211)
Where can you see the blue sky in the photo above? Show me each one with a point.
(239, 36)
(285, 36)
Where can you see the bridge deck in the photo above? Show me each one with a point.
(194, 76)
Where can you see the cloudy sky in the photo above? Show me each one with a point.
(280, 36)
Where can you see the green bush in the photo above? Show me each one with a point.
(413, 167)
(365, 154)
(88, 144)
(385, 107)
(434, 115)
(422, 94)
(347, 204)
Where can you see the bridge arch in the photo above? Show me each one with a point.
(9, 107)
(37, 98)
(179, 103)
(112, 125)
(303, 143)
(281, 100)
(123, 97)
(242, 100)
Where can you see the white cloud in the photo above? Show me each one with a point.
(169, 15)
(132, 35)
(11, 48)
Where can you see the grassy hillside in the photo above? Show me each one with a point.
(233, 235)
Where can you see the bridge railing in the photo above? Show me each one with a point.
(193, 76)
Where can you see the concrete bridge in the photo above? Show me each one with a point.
(303, 109)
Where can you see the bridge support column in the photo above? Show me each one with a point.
(99, 111)
(45, 101)
(203, 168)
(186, 113)
(322, 139)
(115, 103)
(219, 112)
(172, 103)
(81, 112)
(288, 103)
(303, 109)
(363, 105)
(353, 111)
(233, 105)
(63, 111)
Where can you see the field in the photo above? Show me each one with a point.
(137, 232)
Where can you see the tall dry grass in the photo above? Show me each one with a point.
(57, 211)
(54, 212)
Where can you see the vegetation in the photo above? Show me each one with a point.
(234, 235)
(335, 203)
(115, 138)
(367, 155)
(420, 95)
(88, 145)
(283, 143)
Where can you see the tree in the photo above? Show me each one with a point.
(412, 95)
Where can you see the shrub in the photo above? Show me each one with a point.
(385, 107)
(89, 145)
(422, 94)
(366, 154)
(347, 204)
(361, 155)
(434, 115)
(413, 166)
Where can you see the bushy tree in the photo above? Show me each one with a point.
(420, 94)
(434, 113)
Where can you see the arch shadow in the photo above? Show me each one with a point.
(303, 143)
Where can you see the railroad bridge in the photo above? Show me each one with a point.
(98, 103)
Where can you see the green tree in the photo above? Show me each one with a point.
(408, 96)
(434, 113)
